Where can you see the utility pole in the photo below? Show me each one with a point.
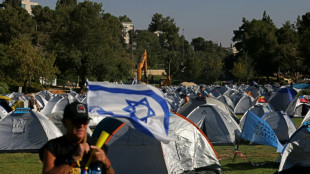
(183, 48)
(131, 45)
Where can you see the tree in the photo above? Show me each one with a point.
(48, 71)
(15, 22)
(24, 61)
(304, 35)
(124, 19)
(13, 3)
(258, 39)
(3, 61)
(149, 41)
(169, 37)
(66, 3)
(114, 63)
(288, 54)
(243, 68)
(199, 44)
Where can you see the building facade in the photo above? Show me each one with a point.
(127, 27)
(28, 5)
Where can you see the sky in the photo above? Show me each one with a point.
(213, 20)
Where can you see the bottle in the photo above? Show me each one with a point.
(95, 169)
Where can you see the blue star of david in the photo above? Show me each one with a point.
(131, 108)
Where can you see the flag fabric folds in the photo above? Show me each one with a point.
(141, 106)
(258, 131)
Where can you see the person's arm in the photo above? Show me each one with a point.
(50, 168)
(37, 104)
(100, 156)
(49, 159)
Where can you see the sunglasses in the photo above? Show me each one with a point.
(81, 121)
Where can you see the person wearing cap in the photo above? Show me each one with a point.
(33, 103)
(70, 152)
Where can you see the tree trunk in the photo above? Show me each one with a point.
(25, 87)
(82, 82)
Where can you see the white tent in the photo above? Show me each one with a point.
(190, 151)
(26, 131)
(243, 104)
(220, 128)
(296, 152)
(57, 103)
(280, 123)
(299, 106)
(57, 117)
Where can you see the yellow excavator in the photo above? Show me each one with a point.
(165, 81)
(142, 65)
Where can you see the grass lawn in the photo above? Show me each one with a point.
(265, 156)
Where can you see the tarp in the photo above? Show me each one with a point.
(256, 130)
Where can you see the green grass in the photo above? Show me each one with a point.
(29, 163)
(20, 163)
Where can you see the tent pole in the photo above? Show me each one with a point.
(235, 152)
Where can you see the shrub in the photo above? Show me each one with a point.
(35, 87)
(4, 88)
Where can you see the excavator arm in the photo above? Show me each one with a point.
(142, 65)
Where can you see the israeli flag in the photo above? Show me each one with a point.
(141, 106)
(134, 82)
(258, 131)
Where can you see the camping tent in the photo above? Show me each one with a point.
(57, 103)
(227, 101)
(190, 105)
(280, 123)
(220, 128)
(131, 151)
(299, 106)
(306, 118)
(260, 109)
(296, 152)
(282, 98)
(243, 104)
(26, 131)
(57, 117)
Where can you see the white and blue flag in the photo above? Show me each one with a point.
(134, 82)
(141, 106)
(258, 131)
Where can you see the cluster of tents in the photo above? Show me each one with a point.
(216, 115)
(196, 126)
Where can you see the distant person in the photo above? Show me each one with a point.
(33, 103)
(185, 98)
(199, 97)
(70, 153)
(203, 92)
